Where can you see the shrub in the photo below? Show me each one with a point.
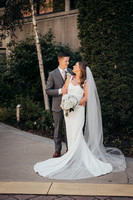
(45, 122)
(105, 32)
(5, 88)
(29, 112)
(23, 62)
(8, 115)
(21, 83)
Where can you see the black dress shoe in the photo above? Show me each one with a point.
(56, 154)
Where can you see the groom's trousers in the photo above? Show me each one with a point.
(58, 121)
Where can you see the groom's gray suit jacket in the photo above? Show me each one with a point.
(54, 82)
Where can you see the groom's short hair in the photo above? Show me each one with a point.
(62, 54)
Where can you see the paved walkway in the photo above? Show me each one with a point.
(19, 151)
(60, 197)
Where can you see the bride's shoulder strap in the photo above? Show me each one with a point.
(85, 82)
(71, 78)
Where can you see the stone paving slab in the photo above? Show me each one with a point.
(58, 197)
(24, 187)
(91, 189)
(66, 188)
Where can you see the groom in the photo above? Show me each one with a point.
(55, 88)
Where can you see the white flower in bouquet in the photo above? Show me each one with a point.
(68, 103)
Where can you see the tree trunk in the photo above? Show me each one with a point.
(39, 53)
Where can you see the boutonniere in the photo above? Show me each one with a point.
(73, 77)
(68, 74)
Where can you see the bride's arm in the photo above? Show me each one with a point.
(65, 86)
(84, 98)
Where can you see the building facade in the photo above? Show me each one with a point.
(63, 24)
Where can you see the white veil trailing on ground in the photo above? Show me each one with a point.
(94, 130)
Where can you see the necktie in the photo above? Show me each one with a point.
(63, 74)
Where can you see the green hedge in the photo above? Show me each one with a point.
(20, 82)
(23, 75)
(106, 35)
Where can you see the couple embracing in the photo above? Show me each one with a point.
(86, 155)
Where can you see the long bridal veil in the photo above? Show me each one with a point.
(94, 130)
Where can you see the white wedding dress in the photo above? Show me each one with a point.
(79, 162)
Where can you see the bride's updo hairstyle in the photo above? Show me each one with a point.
(82, 66)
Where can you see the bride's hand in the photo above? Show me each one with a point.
(82, 104)
(84, 98)
(64, 90)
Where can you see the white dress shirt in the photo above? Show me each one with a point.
(61, 70)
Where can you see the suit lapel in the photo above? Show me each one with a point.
(59, 77)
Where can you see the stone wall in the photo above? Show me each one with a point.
(62, 24)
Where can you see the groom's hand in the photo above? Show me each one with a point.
(64, 90)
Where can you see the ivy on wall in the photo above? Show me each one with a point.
(106, 36)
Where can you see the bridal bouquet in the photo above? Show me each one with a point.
(68, 103)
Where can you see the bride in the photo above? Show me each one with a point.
(86, 156)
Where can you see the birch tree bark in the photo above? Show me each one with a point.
(39, 53)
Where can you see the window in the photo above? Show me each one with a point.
(58, 5)
(2, 3)
(73, 4)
